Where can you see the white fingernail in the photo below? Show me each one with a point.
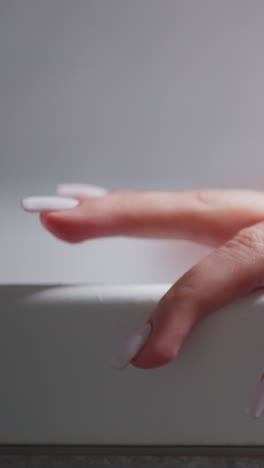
(257, 405)
(80, 190)
(37, 204)
(132, 347)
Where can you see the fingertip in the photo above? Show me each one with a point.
(50, 220)
(156, 353)
(61, 227)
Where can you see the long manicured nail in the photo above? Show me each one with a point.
(80, 190)
(257, 405)
(37, 204)
(132, 347)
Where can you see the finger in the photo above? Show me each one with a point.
(231, 271)
(208, 216)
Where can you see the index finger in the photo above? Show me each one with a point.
(205, 216)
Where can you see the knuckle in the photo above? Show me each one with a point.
(187, 285)
(186, 294)
(247, 244)
(207, 197)
(122, 197)
(185, 290)
(119, 205)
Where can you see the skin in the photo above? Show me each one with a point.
(231, 221)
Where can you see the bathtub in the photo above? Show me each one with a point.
(59, 387)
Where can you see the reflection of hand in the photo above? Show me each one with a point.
(232, 221)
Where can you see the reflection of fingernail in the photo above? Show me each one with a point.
(257, 405)
(37, 204)
(80, 190)
(132, 347)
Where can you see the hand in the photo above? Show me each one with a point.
(232, 221)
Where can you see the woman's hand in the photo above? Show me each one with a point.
(232, 221)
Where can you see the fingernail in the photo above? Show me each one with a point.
(132, 347)
(80, 190)
(37, 204)
(257, 405)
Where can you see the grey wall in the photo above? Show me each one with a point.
(160, 94)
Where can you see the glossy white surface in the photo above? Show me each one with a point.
(58, 385)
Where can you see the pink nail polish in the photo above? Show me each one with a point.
(80, 190)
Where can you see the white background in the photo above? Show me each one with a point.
(134, 94)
